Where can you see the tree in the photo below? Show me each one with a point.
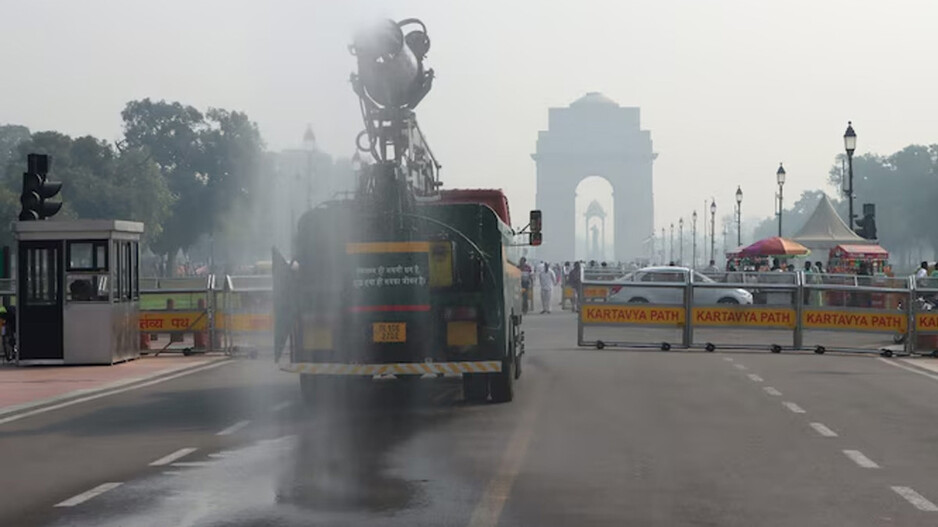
(211, 162)
(98, 181)
(11, 135)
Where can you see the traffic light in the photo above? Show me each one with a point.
(866, 226)
(535, 224)
(37, 189)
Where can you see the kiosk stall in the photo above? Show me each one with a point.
(78, 291)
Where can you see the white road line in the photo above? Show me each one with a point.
(281, 406)
(728, 359)
(193, 464)
(917, 500)
(793, 407)
(904, 367)
(172, 473)
(222, 455)
(739, 366)
(233, 428)
(755, 378)
(772, 391)
(823, 430)
(87, 495)
(857, 457)
(45, 409)
(166, 460)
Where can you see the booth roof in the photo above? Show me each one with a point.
(826, 226)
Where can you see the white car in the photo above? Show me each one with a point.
(636, 294)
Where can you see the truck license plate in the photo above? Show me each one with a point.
(389, 332)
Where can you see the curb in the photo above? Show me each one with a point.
(12, 412)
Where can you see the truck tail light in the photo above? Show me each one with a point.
(460, 313)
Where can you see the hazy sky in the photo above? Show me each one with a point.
(727, 88)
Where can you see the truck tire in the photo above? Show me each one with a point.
(502, 384)
(475, 387)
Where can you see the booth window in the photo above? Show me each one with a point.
(87, 256)
(86, 278)
(41, 278)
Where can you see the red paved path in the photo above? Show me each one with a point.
(24, 385)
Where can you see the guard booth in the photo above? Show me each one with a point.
(78, 291)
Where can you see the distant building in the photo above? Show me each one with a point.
(595, 136)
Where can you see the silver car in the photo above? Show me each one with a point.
(630, 293)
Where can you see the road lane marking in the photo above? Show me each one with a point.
(281, 406)
(917, 500)
(739, 367)
(857, 457)
(728, 359)
(87, 495)
(45, 409)
(823, 430)
(772, 391)
(172, 473)
(793, 407)
(193, 464)
(755, 378)
(166, 460)
(489, 509)
(904, 367)
(234, 428)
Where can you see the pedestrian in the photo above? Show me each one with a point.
(819, 267)
(934, 273)
(546, 278)
(921, 274)
(574, 281)
(712, 268)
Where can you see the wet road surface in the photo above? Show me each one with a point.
(608, 437)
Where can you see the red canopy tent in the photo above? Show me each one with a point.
(774, 246)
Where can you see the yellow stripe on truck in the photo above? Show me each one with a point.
(387, 247)
(406, 368)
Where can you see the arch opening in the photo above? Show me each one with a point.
(594, 220)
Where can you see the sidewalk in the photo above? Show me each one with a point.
(23, 388)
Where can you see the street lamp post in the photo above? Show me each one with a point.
(739, 216)
(850, 144)
(680, 240)
(694, 238)
(780, 178)
(671, 256)
(724, 238)
(713, 232)
(663, 248)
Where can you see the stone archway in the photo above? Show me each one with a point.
(595, 136)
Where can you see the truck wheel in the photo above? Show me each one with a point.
(475, 387)
(502, 384)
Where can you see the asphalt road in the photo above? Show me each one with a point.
(610, 437)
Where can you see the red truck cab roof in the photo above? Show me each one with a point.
(493, 198)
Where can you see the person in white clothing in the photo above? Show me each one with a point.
(546, 278)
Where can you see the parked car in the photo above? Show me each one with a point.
(636, 294)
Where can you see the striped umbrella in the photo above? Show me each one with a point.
(774, 246)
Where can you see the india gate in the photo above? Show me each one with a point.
(594, 136)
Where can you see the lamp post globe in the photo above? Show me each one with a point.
(780, 179)
(713, 232)
(850, 144)
(739, 215)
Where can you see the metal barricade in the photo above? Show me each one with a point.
(922, 338)
(634, 309)
(745, 310)
(174, 308)
(853, 313)
(245, 317)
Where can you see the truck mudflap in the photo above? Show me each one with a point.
(398, 368)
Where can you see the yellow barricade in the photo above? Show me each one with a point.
(632, 314)
(854, 320)
(244, 322)
(170, 321)
(747, 316)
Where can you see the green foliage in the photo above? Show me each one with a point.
(211, 162)
(98, 181)
(11, 135)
